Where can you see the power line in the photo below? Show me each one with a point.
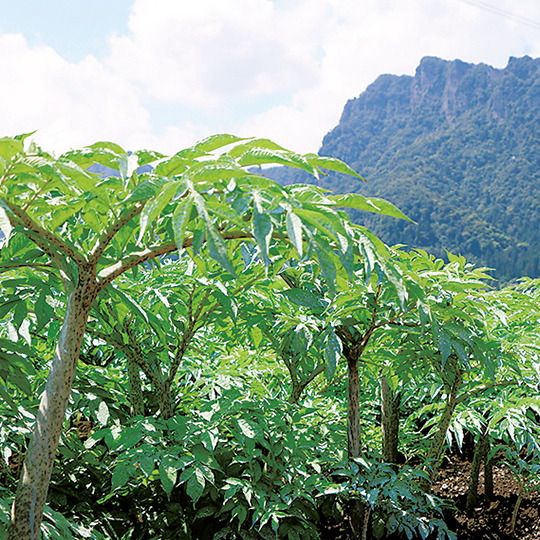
(503, 13)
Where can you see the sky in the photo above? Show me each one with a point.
(162, 74)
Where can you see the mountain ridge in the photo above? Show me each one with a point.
(457, 148)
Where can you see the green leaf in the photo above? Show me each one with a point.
(262, 231)
(225, 212)
(246, 429)
(180, 220)
(195, 485)
(256, 336)
(127, 165)
(120, 476)
(263, 156)
(326, 262)
(331, 164)
(216, 245)
(369, 204)
(304, 298)
(102, 414)
(10, 147)
(147, 188)
(294, 230)
(167, 475)
(267, 144)
(147, 156)
(216, 141)
(155, 206)
(218, 249)
(332, 353)
(109, 146)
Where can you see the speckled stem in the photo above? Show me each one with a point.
(33, 486)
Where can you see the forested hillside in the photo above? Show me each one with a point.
(456, 147)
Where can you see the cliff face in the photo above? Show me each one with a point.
(457, 147)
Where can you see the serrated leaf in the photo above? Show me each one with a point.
(267, 144)
(332, 164)
(127, 165)
(369, 204)
(108, 146)
(263, 156)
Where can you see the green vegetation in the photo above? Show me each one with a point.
(196, 352)
(456, 148)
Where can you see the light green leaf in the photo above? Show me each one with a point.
(216, 245)
(127, 165)
(369, 204)
(155, 206)
(216, 141)
(262, 231)
(331, 164)
(294, 230)
(180, 220)
(326, 262)
(10, 147)
(148, 187)
(218, 249)
(256, 336)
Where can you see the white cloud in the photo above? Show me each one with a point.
(69, 104)
(206, 52)
(282, 69)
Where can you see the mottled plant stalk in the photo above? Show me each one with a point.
(27, 511)
(390, 402)
(437, 443)
(358, 510)
(480, 453)
(136, 397)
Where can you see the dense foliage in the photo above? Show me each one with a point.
(271, 370)
(456, 148)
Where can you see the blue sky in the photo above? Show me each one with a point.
(162, 74)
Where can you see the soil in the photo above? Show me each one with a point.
(486, 521)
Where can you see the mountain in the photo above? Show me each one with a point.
(457, 148)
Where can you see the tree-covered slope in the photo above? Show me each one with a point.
(457, 147)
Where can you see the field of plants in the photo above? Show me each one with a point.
(196, 352)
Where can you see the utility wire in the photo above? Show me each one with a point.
(503, 13)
